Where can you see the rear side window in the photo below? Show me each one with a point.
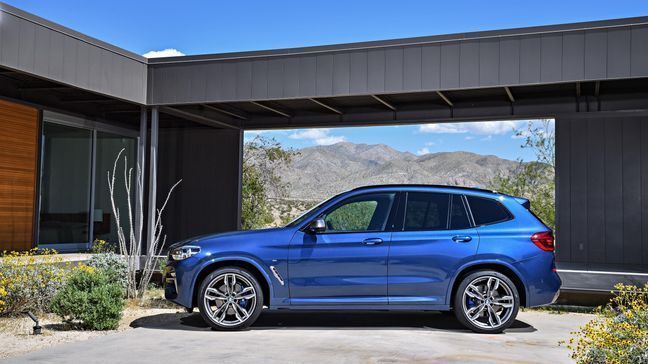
(487, 211)
(427, 211)
(458, 215)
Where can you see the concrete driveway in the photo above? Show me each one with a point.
(281, 337)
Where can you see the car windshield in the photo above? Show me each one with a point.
(309, 212)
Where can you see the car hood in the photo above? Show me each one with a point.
(232, 236)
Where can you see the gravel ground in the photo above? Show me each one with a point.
(16, 332)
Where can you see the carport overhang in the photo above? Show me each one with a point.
(591, 77)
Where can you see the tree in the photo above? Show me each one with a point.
(534, 180)
(262, 159)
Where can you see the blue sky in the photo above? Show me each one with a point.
(195, 27)
(494, 137)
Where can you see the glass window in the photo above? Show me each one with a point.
(108, 147)
(487, 211)
(361, 213)
(458, 215)
(65, 185)
(427, 211)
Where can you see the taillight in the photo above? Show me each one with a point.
(544, 240)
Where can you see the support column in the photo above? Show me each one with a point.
(152, 195)
(141, 164)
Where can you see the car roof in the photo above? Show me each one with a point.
(423, 186)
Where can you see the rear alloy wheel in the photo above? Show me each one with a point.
(230, 299)
(486, 302)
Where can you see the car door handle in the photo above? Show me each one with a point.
(461, 239)
(372, 241)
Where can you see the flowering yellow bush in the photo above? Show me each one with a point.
(619, 333)
(29, 280)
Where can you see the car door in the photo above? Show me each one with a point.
(435, 238)
(347, 262)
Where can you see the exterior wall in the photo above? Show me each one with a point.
(208, 162)
(523, 57)
(36, 46)
(602, 192)
(18, 165)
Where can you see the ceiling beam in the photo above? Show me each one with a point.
(195, 117)
(87, 101)
(382, 101)
(226, 112)
(597, 88)
(447, 100)
(578, 89)
(269, 108)
(45, 88)
(326, 106)
(509, 93)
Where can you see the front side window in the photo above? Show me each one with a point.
(426, 211)
(487, 211)
(360, 213)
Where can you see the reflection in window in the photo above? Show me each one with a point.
(362, 213)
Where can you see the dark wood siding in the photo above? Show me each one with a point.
(18, 162)
(602, 192)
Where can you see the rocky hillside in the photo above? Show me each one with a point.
(319, 172)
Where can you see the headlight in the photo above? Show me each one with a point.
(184, 252)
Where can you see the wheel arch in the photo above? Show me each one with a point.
(499, 267)
(239, 262)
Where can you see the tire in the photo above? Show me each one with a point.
(218, 289)
(484, 312)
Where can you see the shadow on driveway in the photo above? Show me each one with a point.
(318, 320)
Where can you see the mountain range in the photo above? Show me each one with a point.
(319, 172)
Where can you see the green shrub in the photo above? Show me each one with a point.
(90, 299)
(113, 265)
(619, 333)
(29, 280)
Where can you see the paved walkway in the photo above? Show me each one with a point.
(281, 337)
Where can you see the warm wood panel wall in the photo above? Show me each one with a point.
(18, 163)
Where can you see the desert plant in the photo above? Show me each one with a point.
(90, 300)
(29, 280)
(619, 333)
(129, 229)
(113, 265)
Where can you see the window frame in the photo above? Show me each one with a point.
(464, 203)
(389, 225)
(510, 216)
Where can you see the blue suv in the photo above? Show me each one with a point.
(478, 253)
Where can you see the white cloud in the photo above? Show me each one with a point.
(430, 144)
(423, 151)
(480, 128)
(169, 52)
(318, 136)
(469, 137)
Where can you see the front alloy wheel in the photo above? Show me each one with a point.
(486, 302)
(231, 299)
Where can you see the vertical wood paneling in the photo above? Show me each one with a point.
(341, 74)
(18, 159)
(631, 191)
(260, 79)
(10, 40)
(431, 67)
(275, 77)
(596, 54)
(228, 86)
(70, 60)
(213, 78)
(489, 62)
(573, 56)
(618, 53)
(639, 48)
(358, 72)
(244, 80)
(55, 64)
(412, 68)
(42, 51)
(509, 61)
(469, 64)
(198, 81)
(26, 46)
(644, 190)
(450, 54)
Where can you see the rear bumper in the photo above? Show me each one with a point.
(542, 283)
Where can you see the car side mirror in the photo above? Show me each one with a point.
(317, 226)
